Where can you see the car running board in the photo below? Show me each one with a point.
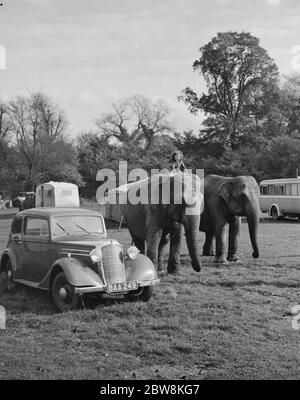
(32, 284)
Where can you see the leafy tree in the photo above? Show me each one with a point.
(38, 147)
(238, 73)
(290, 103)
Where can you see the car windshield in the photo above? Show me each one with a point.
(77, 224)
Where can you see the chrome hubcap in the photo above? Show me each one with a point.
(62, 293)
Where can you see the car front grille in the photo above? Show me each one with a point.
(113, 265)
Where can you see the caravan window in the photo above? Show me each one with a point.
(66, 192)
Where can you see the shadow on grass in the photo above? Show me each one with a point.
(26, 299)
(285, 220)
(233, 284)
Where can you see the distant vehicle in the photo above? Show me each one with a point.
(5, 199)
(18, 199)
(29, 201)
(66, 251)
(280, 197)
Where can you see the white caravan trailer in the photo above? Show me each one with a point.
(57, 194)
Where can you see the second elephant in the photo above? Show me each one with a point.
(225, 201)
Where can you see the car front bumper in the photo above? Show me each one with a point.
(95, 289)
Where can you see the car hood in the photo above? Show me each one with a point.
(83, 240)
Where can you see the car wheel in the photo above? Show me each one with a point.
(144, 294)
(274, 213)
(63, 294)
(10, 285)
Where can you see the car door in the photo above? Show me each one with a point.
(16, 244)
(37, 250)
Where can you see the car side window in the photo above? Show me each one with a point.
(16, 227)
(36, 227)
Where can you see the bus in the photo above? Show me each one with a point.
(280, 197)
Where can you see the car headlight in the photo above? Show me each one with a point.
(96, 255)
(133, 252)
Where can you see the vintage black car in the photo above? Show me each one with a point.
(67, 252)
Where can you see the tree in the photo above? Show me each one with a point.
(5, 176)
(290, 102)
(238, 73)
(136, 130)
(135, 120)
(4, 123)
(152, 117)
(4, 129)
(38, 146)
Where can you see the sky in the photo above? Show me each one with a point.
(88, 54)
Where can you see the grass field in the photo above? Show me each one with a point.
(230, 322)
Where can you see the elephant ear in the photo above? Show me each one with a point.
(225, 190)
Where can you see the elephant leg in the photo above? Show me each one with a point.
(208, 248)
(139, 243)
(153, 240)
(161, 247)
(234, 229)
(220, 244)
(176, 233)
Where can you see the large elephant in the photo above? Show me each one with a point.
(225, 201)
(149, 224)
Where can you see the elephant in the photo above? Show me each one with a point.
(225, 201)
(150, 224)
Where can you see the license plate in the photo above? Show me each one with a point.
(122, 287)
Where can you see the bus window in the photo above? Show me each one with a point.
(264, 190)
(298, 189)
(271, 190)
(280, 190)
(294, 189)
(288, 189)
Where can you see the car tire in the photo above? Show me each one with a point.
(63, 294)
(144, 294)
(274, 213)
(147, 293)
(10, 285)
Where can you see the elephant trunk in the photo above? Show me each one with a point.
(252, 214)
(191, 233)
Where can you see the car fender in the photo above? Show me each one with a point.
(8, 252)
(140, 269)
(76, 272)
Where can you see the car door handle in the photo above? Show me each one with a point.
(17, 240)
